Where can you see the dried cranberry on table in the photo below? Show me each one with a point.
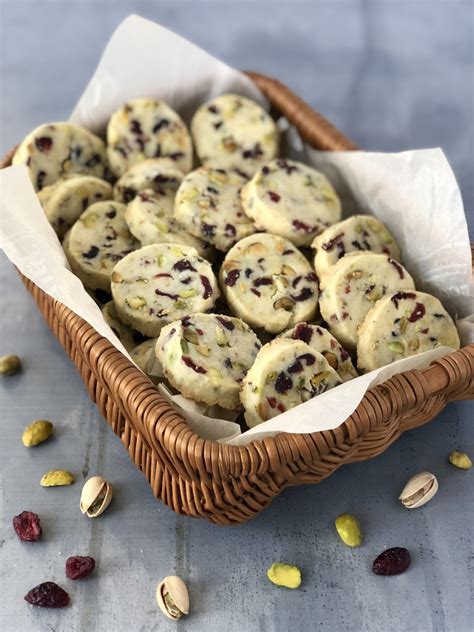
(79, 566)
(28, 526)
(47, 595)
(392, 561)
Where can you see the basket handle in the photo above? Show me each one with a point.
(313, 128)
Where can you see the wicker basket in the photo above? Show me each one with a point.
(228, 484)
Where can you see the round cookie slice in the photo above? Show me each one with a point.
(206, 356)
(321, 340)
(401, 325)
(232, 131)
(208, 205)
(356, 282)
(269, 283)
(129, 338)
(95, 243)
(69, 197)
(57, 149)
(291, 199)
(158, 284)
(159, 174)
(359, 232)
(150, 219)
(147, 128)
(285, 373)
(145, 358)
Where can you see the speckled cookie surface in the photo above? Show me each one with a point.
(158, 284)
(206, 356)
(359, 232)
(356, 282)
(129, 338)
(208, 205)
(321, 340)
(269, 283)
(159, 174)
(68, 198)
(57, 149)
(146, 128)
(95, 243)
(150, 219)
(291, 199)
(232, 131)
(285, 373)
(401, 325)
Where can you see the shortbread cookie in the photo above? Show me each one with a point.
(285, 373)
(321, 340)
(129, 338)
(159, 174)
(356, 282)
(401, 325)
(269, 283)
(160, 283)
(146, 128)
(150, 219)
(95, 243)
(359, 232)
(69, 197)
(232, 131)
(206, 356)
(145, 358)
(291, 199)
(208, 205)
(58, 149)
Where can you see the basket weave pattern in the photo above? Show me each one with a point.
(230, 484)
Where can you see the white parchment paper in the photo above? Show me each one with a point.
(414, 193)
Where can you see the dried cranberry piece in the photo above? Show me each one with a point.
(135, 127)
(284, 165)
(226, 323)
(304, 295)
(283, 383)
(128, 194)
(329, 245)
(299, 225)
(93, 160)
(40, 179)
(230, 230)
(417, 313)
(255, 152)
(93, 252)
(312, 276)
(111, 214)
(272, 401)
(392, 561)
(162, 274)
(262, 281)
(206, 285)
(296, 280)
(184, 264)
(228, 363)
(44, 143)
(47, 595)
(344, 354)
(213, 109)
(212, 190)
(160, 124)
(248, 272)
(399, 296)
(186, 321)
(195, 367)
(265, 170)
(172, 296)
(208, 230)
(274, 197)
(232, 277)
(176, 155)
(79, 566)
(357, 245)
(303, 332)
(296, 367)
(397, 267)
(28, 526)
(308, 358)
(288, 252)
(256, 292)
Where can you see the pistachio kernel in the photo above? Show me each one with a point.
(331, 359)
(57, 478)
(348, 528)
(396, 347)
(285, 575)
(172, 597)
(285, 303)
(37, 432)
(9, 364)
(460, 459)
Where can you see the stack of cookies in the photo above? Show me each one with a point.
(207, 272)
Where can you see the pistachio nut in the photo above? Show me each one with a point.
(37, 432)
(95, 496)
(419, 490)
(172, 597)
(285, 575)
(460, 459)
(349, 530)
(9, 364)
(57, 478)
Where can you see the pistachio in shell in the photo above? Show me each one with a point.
(172, 597)
(96, 496)
(419, 490)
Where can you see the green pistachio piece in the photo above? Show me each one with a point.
(348, 528)
(396, 347)
(57, 478)
(37, 432)
(460, 459)
(9, 364)
(285, 575)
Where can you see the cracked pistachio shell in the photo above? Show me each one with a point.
(37, 432)
(419, 490)
(57, 478)
(349, 530)
(460, 459)
(95, 496)
(284, 575)
(172, 597)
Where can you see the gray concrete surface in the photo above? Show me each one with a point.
(393, 75)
